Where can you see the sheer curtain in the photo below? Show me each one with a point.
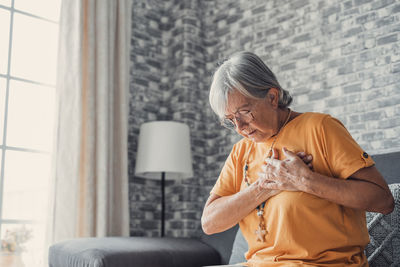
(90, 169)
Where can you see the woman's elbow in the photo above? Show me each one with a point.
(206, 230)
(389, 205)
(206, 225)
(383, 203)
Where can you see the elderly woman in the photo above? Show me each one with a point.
(290, 214)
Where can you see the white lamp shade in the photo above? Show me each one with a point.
(164, 146)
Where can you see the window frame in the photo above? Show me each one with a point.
(3, 142)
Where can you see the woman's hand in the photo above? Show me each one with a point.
(286, 174)
(307, 159)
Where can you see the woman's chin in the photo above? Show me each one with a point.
(255, 137)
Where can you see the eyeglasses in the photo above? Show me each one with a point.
(241, 115)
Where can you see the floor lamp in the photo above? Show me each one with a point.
(164, 152)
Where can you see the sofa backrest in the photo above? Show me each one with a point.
(222, 242)
(389, 166)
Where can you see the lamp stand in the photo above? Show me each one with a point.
(162, 203)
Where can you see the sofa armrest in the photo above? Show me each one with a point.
(132, 252)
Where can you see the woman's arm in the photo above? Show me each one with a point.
(221, 213)
(365, 189)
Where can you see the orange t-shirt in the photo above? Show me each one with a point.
(303, 229)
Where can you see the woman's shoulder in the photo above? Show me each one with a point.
(317, 122)
(314, 116)
(314, 120)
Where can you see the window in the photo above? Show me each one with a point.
(28, 52)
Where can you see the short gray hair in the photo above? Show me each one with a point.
(247, 73)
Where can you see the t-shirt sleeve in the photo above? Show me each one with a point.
(226, 183)
(342, 152)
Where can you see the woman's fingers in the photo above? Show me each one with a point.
(301, 154)
(304, 157)
(307, 159)
(275, 153)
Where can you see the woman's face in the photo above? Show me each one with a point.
(263, 120)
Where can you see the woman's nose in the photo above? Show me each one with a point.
(240, 124)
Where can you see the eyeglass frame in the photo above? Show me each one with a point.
(240, 115)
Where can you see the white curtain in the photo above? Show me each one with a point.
(90, 173)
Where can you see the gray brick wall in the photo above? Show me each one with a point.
(336, 57)
(168, 68)
(146, 104)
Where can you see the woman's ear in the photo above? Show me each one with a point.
(273, 97)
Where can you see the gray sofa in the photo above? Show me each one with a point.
(222, 248)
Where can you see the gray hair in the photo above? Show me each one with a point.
(247, 73)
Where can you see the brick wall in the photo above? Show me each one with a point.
(336, 57)
(168, 65)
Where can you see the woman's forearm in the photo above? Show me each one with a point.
(352, 192)
(221, 213)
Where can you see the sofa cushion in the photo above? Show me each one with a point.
(132, 251)
(239, 248)
(384, 247)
